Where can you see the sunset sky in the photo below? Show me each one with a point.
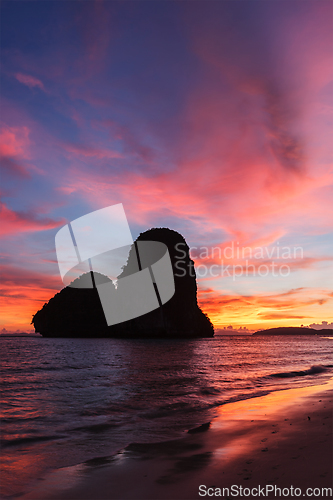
(212, 118)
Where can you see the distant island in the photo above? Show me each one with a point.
(77, 312)
(295, 330)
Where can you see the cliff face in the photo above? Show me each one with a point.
(77, 312)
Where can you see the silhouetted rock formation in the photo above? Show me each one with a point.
(294, 330)
(77, 312)
(73, 312)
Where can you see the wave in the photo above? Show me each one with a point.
(27, 440)
(96, 428)
(209, 391)
(314, 370)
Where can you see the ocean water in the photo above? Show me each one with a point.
(66, 401)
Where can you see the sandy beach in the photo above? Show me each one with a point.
(283, 440)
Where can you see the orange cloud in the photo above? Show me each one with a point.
(284, 316)
(264, 309)
(22, 293)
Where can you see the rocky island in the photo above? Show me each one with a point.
(294, 330)
(76, 311)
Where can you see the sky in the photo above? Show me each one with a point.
(212, 118)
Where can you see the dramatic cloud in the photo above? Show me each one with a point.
(203, 117)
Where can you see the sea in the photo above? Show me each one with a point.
(68, 401)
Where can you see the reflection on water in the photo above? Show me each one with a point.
(66, 401)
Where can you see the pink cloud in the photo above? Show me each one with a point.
(237, 200)
(13, 277)
(14, 141)
(14, 147)
(29, 81)
(242, 163)
(15, 222)
(90, 152)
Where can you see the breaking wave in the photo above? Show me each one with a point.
(314, 370)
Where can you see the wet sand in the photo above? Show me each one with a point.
(283, 439)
